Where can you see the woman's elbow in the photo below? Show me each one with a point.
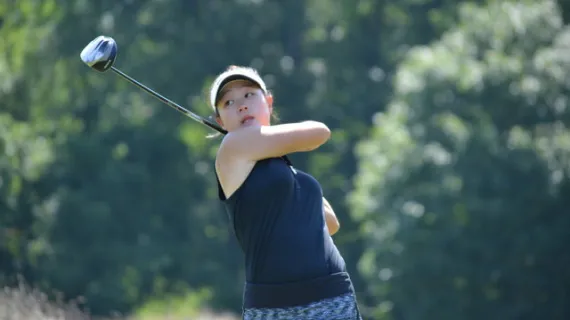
(325, 133)
(320, 135)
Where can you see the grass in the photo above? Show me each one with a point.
(23, 303)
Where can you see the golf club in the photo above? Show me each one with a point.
(100, 54)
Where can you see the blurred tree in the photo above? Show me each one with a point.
(107, 193)
(138, 214)
(462, 184)
(29, 132)
(353, 51)
(135, 213)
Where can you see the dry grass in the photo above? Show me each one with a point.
(23, 303)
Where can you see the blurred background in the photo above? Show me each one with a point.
(449, 164)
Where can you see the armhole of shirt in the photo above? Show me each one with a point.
(221, 194)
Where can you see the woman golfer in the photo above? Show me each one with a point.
(279, 215)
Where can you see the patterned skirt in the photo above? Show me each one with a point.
(339, 308)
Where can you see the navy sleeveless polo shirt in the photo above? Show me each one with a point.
(290, 258)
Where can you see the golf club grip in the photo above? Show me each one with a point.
(214, 126)
(169, 102)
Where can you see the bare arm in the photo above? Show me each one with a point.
(332, 222)
(261, 142)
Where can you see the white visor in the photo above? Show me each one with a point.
(231, 75)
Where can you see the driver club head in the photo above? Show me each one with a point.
(100, 54)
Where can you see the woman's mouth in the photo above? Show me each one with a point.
(247, 119)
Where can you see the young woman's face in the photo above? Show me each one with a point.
(243, 104)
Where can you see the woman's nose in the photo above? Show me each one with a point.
(242, 108)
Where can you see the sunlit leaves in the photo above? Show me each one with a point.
(484, 164)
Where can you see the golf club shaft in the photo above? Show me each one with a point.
(170, 103)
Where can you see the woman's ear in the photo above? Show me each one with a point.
(269, 99)
(219, 120)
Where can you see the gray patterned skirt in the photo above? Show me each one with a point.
(339, 308)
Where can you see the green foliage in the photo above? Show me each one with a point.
(461, 183)
(184, 306)
(458, 113)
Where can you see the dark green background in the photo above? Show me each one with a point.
(448, 166)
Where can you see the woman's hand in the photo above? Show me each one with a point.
(330, 218)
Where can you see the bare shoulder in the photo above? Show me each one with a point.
(232, 170)
(242, 148)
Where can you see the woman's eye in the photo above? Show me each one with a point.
(249, 94)
(228, 103)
